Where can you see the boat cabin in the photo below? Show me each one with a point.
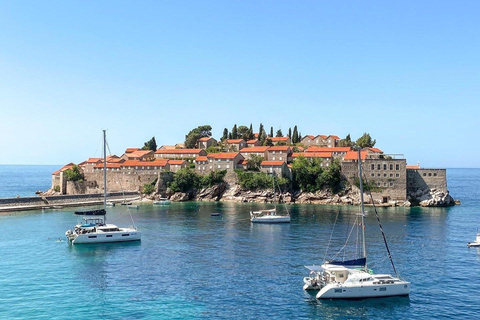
(336, 274)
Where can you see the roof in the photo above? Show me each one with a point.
(201, 158)
(205, 139)
(327, 149)
(413, 166)
(165, 147)
(252, 141)
(277, 139)
(375, 150)
(279, 148)
(254, 149)
(93, 160)
(179, 151)
(242, 162)
(129, 150)
(353, 155)
(312, 154)
(138, 153)
(156, 163)
(108, 165)
(180, 162)
(309, 136)
(272, 163)
(65, 167)
(334, 137)
(223, 155)
(234, 140)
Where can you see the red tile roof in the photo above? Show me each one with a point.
(334, 137)
(93, 160)
(413, 166)
(201, 158)
(252, 141)
(279, 148)
(65, 167)
(376, 150)
(312, 154)
(177, 162)
(129, 150)
(156, 163)
(353, 155)
(179, 151)
(139, 153)
(277, 139)
(223, 155)
(272, 163)
(254, 149)
(234, 140)
(309, 136)
(205, 139)
(326, 149)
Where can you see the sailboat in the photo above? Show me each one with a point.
(475, 243)
(269, 215)
(352, 279)
(94, 227)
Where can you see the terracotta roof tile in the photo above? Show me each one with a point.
(129, 150)
(413, 166)
(223, 155)
(327, 149)
(353, 155)
(272, 163)
(254, 149)
(234, 140)
(205, 139)
(279, 148)
(201, 158)
(179, 151)
(177, 162)
(277, 139)
(312, 154)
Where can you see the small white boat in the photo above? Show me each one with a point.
(476, 243)
(110, 204)
(215, 214)
(268, 216)
(162, 202)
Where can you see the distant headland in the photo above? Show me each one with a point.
(243, 166)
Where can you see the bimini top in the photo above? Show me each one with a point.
(349, 263)
(97, 212)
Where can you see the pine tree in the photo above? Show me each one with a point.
(225, 134)
(260, 130)
(234, 132)
(279, 133)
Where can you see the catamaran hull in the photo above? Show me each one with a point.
(106, 237)
(366, 291)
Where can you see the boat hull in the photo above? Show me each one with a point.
(473, 244)
(332, 291)
(271, 219)
(105, 237)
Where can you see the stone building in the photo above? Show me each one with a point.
(176, 165)
(179, 153)
(279, 168)
(235, 144)
(425, 179)
(218, 161)
(280, 140)
(279, 153)
(205, 142)
(325, 157)
(261, 151)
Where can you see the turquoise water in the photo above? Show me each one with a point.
(190, 265)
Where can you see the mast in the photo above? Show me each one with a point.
(104, 169)
(363, 206)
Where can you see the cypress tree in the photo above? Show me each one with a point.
(290, 133)
(271, 131)
(295, 135)
(234, 132)
(225, 134)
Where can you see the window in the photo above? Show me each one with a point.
(125, 234)
(391, 166)
(379, 166)
(397, 175)
(379, 175)
(391, 175)
(424, 174)
(384, 166)
(373, 174)
(397, 167)
(219, 166)
(109, 236)
(383, 289)
(391, 184)
(92, 237)
(429, 174)
(373, 166)
(228, 166)
(385, 184)
(384, 175)
(435, 174)
(338, 290)
(378, 184)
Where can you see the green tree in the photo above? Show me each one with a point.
(213, 178)
(365, 141)
(150, 145)
(279, 133)
(184, 180)
(148, 188)
(74, 174)
(242, 133)
(268, 142)
(225, 135)
(347, 142)
(290, 133)
(262, 136)
(254, 162)
(295, 135)
(192, 137)
(234, 132)
(271, 132)
(260, 130)
(305, 172)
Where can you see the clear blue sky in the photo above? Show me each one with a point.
(406, 72)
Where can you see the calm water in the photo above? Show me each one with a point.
(25, 180)
(190, 265)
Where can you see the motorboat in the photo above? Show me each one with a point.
(162, 201)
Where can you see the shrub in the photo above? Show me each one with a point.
(148, 188)
(74, 174)
(56, 188)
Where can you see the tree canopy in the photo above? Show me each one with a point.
(150, 145)
(192, 137)
(74, 174)
(365, 141)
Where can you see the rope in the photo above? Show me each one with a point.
(381, 229)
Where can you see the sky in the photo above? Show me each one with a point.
(406, 72)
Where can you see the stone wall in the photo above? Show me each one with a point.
(389, 175)
(426, 179)
(118, 181)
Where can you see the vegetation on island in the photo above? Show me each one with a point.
(185, 180)
(150, 145)
(74, 174)
(200, 132)
(310, 176)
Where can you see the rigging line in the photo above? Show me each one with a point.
(346, 242)
(331, 235)
(381, 229)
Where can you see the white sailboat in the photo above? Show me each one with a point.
(94, 228)
(476, 243)
(351, 279)
(269, 215)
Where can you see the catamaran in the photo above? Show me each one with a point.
(94, 227)
(350, 279)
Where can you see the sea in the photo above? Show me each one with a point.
(191, 265)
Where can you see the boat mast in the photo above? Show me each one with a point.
(104, 170)
(363, 206)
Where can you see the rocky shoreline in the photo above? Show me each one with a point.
(350, 196)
